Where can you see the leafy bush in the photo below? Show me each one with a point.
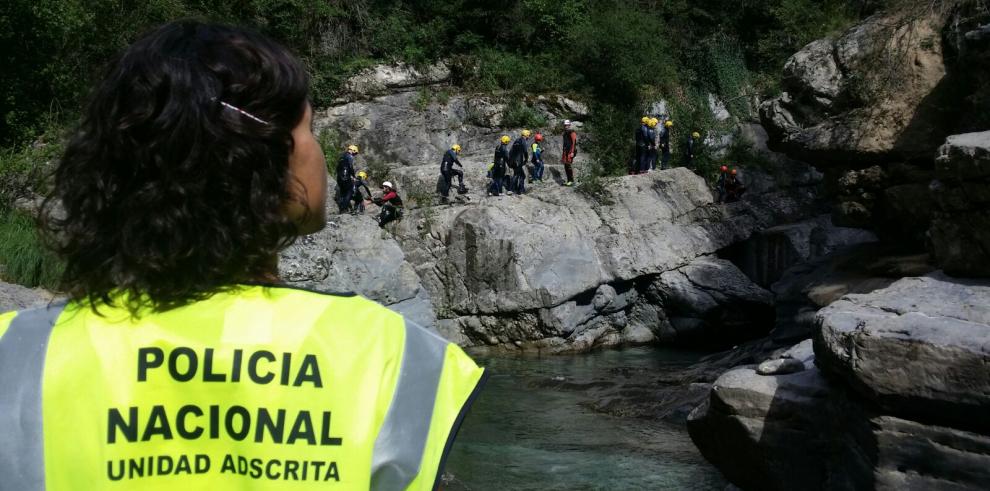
(610, 140)
(23, 259)
(23, 170)
(520, 115)
(377, 171)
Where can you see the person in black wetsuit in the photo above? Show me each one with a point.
(692, 148)
(357, 197)
(345, 178)
(518, 156)
(664, 144)
(734, 188)
(448, 171)
(641, 145)
(501, 164)
(650, 162)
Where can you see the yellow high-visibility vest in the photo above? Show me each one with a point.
(258, 387)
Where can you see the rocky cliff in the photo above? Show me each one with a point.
(555, 269)
(870, 107)
(892, 391)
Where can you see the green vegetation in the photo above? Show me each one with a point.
(613, 51)
(518, 114)
(22, 259)
(617, 54)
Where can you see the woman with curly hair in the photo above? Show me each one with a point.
(178, 359)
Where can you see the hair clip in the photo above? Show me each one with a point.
(243, 112)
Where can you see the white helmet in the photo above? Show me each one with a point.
(387, 184)
(567, 122)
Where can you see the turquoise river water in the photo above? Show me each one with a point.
(524, 434)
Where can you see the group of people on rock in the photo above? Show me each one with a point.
(651, 143)
(523, 155)
(523, 151)
(350, 184)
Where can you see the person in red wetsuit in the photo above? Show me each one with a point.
(568, 152)
(391, 204)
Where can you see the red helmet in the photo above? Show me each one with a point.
(538, 137)
(725, 168)
(733, 172)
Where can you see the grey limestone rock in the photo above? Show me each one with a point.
(918, 348)
(17, 297)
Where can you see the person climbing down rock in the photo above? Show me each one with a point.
(448, 171)
(734, 188)
(720, 183)
(357, 197)
(692, 148)
(500, 165)
(664, 144)
(641, 145)
(518, 156)
(537, 159)
(345, 178)
(391, 204)
(568, 152)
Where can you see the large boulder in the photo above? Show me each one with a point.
(711, 302)
(866, 95)
(797, 429)
(960, 230)
(556, 269)
(918, 349)
(765, 432)
(380, 79)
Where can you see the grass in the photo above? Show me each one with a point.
(23, 260)
(520, 115)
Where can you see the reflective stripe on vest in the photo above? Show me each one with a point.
(380, 401)
(400, 442)
(22, 366)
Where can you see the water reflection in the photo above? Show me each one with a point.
(532, 429)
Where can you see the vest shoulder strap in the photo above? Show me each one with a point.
(22, 366)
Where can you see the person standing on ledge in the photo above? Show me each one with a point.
(692, 148)
(501, 165)
(568, 152)
(537, 157)
(448, 172)
(518, 155)
(179, 359)
(345, 178)
(664, 144)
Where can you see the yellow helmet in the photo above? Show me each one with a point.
(645, 120)
(526, 133)
(505, 139)
(455, 147)
(695, 135)
(653, 122)
(363, 175)
(352, 149)
(669, 123)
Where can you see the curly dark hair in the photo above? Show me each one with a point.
(164, 194)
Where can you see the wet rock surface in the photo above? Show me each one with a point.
(893, 398)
